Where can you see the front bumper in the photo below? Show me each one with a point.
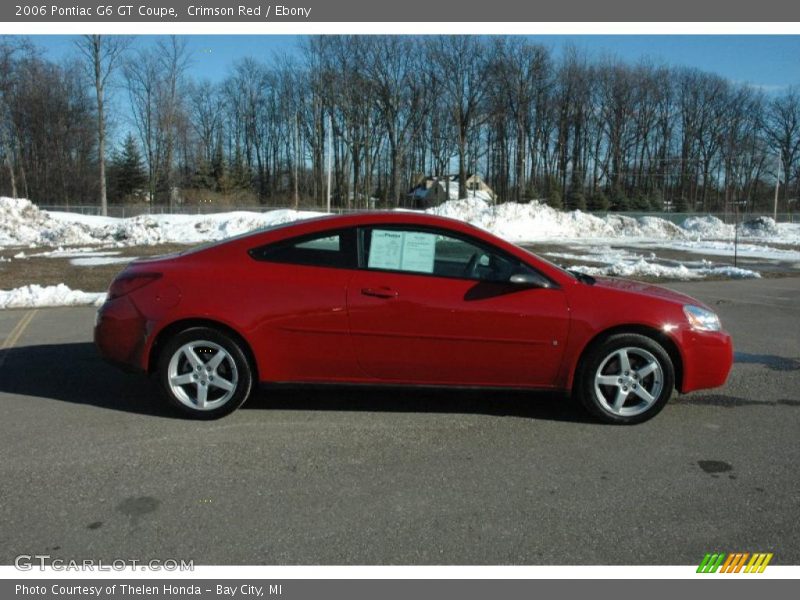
(707, 359)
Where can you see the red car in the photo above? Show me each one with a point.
(402, 298)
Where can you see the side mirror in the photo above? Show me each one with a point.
(529, 279)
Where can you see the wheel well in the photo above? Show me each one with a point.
(659, 336)
(178, 326)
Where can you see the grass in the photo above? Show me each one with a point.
(45, 270)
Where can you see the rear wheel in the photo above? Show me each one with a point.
(626, 379)
(205, 373)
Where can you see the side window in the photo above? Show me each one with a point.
(436, 253)
(328, 249)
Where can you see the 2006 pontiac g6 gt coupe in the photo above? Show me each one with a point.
(402, 298)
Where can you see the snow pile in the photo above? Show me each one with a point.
(150, 230)
(642, 268)
(31, 296)
(530, 222)
(761, 227)
(707, 227)
(22, 224)
(535, 221)
(710, 227)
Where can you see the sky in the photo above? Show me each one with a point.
(770, 62)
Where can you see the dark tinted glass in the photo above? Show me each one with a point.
(328, 249)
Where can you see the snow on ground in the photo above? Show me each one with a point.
(34, 296)
(642, 268)
(94, 261)
(62, 252)
(724, 248)
(623, 263)
(598, 254)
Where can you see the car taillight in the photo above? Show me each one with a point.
(127, 282)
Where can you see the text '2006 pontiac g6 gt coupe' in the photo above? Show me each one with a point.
(403, 299)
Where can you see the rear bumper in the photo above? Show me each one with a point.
(120, 333)
(707, 359)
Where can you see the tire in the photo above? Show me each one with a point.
(625, 394)
(205, 373)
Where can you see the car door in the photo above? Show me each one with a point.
(430, 306)
(300, 288)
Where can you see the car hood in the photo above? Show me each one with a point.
(646, 289)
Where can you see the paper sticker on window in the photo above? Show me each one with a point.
(386, 249)
(400, 250)
(418, 252)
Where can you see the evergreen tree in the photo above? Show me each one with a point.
(577, 199)
(554, 198)
(219, 169)
(619, 200)
(203, 177)
(127, 174)
(600, 201)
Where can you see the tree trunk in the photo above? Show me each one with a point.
(462, 164)
(101, 123)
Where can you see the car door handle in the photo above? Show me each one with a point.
(381, 292)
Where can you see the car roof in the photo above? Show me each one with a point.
(363, 219)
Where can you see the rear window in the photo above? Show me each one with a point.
(334, 249)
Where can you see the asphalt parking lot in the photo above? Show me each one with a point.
(94, 466)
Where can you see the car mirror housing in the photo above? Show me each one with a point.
(530, 280)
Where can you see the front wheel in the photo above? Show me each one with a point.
(205, 373)
(626, 379)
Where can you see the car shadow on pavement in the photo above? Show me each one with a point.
(76, 373)
(501, 403)
(544, 406)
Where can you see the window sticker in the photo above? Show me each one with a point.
(419, 250)
(385, 251)
(402, 250)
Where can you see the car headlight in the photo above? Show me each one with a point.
(701, 318)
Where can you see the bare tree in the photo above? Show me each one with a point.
(395, 75)
(782, 130)
(154, 79)
(461, 63)
(102, 54)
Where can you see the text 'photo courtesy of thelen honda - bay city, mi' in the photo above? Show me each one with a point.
(403, 299)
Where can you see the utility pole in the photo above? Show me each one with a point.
(296, 160)
(330, 156)
(777, 186)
